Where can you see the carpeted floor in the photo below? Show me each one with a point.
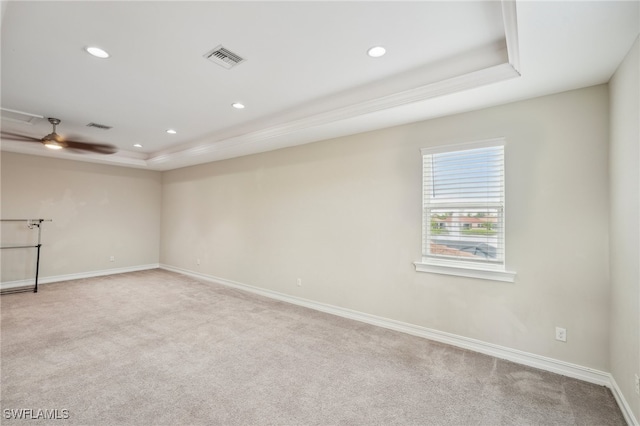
(156, 347)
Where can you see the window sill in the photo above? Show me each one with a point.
(465, 271)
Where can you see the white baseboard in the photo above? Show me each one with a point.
(544, 363)
(77, 276)
(525, 358)
(622, 403)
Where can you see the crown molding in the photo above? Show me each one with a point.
(121, 158)
(263, 140)
(259, 140)
(298, 131)
(510, 21)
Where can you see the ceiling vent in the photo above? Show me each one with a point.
(19, 116)
(224, 57)
(99, 126)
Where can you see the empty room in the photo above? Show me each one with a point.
(320, 213)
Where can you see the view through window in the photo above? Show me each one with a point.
(463, 204)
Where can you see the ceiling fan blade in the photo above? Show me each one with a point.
(17, 137)
(98, 148)
(55, 139)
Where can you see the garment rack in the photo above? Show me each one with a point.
(31, 223)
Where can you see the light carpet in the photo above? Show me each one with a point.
(155, 347)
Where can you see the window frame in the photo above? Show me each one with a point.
(455, 266)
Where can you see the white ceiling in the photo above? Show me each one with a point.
(306, 76)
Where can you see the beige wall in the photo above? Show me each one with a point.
(98, 211)
(345, 216)
(625, 225)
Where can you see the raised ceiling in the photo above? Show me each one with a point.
(306, 74)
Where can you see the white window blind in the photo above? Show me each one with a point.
(463, 204)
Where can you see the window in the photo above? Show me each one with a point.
(463, 230)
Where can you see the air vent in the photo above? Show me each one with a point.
(99, 126)
(224, 57)
(19, 116)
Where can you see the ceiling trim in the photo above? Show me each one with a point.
(258, 141)
(244, 144)
(20, 116)
(510, 21)
(122, 158)
(218, 147)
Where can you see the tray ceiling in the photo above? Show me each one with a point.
(304, 75)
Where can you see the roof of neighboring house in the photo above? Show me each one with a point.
(466, 219)
(442, 249)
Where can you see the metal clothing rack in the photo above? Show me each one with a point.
(31, 223)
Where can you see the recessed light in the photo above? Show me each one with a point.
(97, 52)
(237, 105)
(376, 51)
(137, 145)
(171, 132)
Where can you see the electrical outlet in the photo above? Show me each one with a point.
(299, 282)
(637, 384)
(197, 261)
(561, 334)
(112, 259)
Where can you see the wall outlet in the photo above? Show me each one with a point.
(637, 384)
(197, 261)
(299, 282)
(561, 334)
(112, 258)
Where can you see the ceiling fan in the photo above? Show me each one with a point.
(55, 141)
